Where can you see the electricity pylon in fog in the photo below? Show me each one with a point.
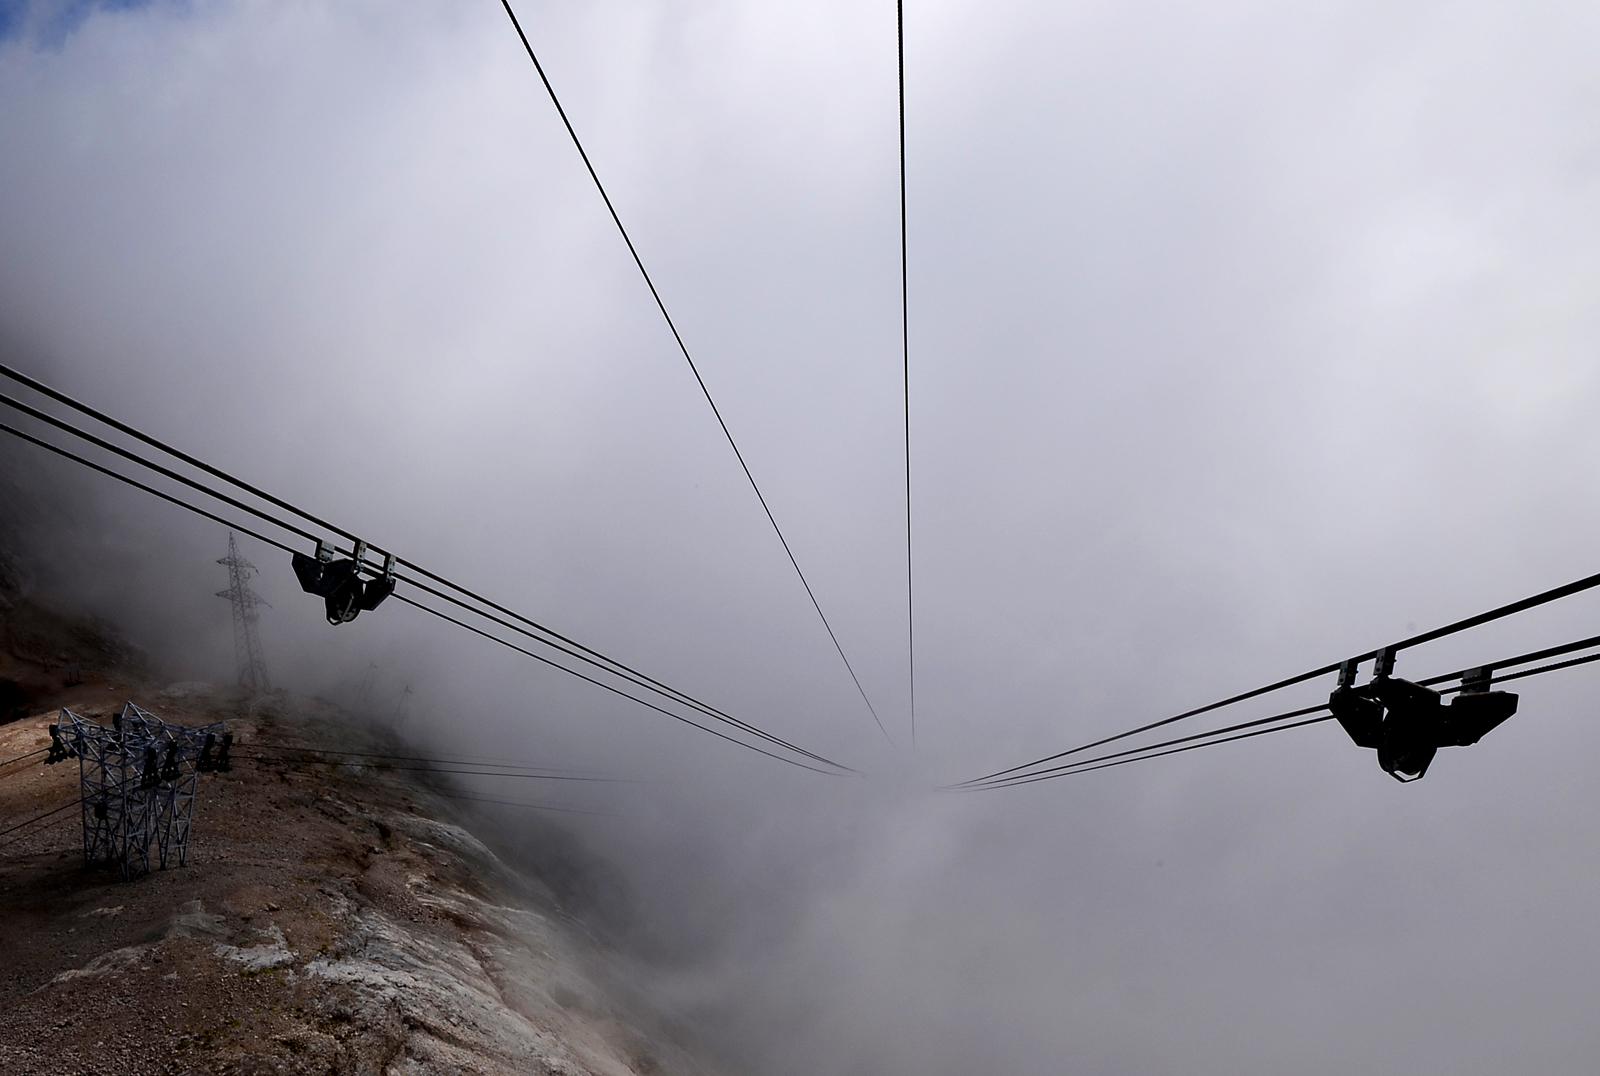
(246, 642)
(363, 703)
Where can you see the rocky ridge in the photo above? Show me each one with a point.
(331, 920)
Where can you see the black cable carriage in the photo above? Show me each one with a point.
(1407, 723)
(339, 582)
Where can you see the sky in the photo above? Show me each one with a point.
(1243, 337)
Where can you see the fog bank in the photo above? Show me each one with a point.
(1242, 340)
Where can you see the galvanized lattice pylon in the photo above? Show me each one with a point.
(138, 781)
(252, 666)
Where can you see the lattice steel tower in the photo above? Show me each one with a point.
(246, 643)
(363, 703)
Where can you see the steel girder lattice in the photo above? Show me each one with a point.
(138, 783)
(246, 639)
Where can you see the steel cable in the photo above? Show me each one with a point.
(457, 794)
(437, 769)
(1521, 659)
(453, 760)
(744, 726)
(1577, 586)
(1149, 751)
(19, 838)
(905, 359)
(610, 665)
(36, 818)
(614, 690)
(23, 758)
(694, 369)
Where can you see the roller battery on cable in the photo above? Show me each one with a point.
(339, 582)
(1407, 723)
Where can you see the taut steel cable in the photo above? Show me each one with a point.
(1566, 590)
(743, 726)
(688, 358)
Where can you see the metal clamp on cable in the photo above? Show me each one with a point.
(1407, 723)
(339, 583)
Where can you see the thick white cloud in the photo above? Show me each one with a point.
(1243, 337)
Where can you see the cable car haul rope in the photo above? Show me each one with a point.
(349, 583)
(1404, 722)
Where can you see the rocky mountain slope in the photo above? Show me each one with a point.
(330, 919)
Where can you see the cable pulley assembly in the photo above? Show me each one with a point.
(339, 582)
(1407, 723)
